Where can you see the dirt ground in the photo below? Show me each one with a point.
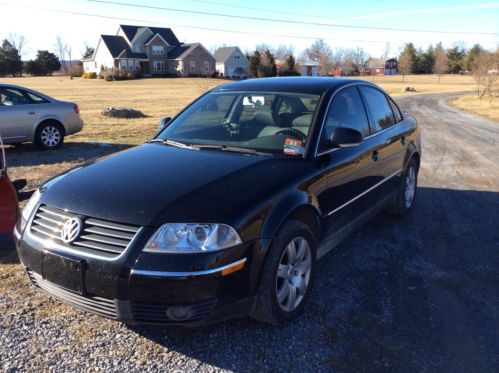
(417, 293)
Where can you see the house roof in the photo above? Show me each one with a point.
(182, 51)
(127, 53)
(222, 54)
(166, 33)
(376, 63)
(310, 63)
(115, 44)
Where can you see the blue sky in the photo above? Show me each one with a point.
(40, 24)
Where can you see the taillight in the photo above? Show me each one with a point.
(76, 109)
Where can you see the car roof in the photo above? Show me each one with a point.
(297, 84)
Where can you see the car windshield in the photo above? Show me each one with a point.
(266, 122)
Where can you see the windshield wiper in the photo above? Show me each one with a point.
(226, 148)
(172, 143)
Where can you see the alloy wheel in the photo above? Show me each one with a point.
(293, 274)
(50, 136)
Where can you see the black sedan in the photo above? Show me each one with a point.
(225, 212)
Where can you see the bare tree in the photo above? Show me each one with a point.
(440, 66)
(61, 50)
(321, 52)
(283, 51)
(18, 41)
(405, 64)
(484, 73)
(386, 50)
(360, 58)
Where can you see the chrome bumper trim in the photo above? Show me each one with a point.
(180, 275)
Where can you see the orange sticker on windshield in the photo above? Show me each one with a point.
(293, 147)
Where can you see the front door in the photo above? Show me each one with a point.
(17, 115)
(352, 171)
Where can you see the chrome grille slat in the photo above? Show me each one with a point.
(100, 236)
(110, 233)
(105, 240)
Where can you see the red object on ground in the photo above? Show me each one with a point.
(9, 205)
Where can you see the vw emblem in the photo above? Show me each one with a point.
(71, 230)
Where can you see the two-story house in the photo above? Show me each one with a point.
(149, 51)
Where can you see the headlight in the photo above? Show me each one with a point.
(192, 238)
(28, 209)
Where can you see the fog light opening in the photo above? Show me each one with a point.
(178, 313)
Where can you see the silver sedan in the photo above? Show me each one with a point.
(27, 115)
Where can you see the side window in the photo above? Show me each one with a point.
(11, 97)
(36, 99)
(346, 110)
(380, 110)
(398, 116)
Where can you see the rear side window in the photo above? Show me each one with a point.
(346, 110)
(12, 97)
(379, 109)
(36, 99)
(398, 116)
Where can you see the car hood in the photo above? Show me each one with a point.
(154, 183)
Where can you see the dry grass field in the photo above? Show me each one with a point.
(483, 107)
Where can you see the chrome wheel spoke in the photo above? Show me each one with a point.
(290, 304)
(302, 250)
(282, 271)
(291, 249)
(283, 293)
(304, 267)
(301, 286)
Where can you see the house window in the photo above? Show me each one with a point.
(159, 65)
(192, 66)
(131, 65)
(158, 50)
(237, 57)
(123, 64)
(206, 66)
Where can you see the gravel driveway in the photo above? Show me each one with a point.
(413, 294)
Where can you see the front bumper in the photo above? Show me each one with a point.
(145, 288)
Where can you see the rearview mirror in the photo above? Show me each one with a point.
(344, 137)
(163, 122)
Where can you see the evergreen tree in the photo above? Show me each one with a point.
(46, 63)
(471, 56)
(428, 60)
(255, 63)
(455, 59)
(267, 66)
(10, 60)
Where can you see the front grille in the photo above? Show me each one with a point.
(98, 237)
(98, 305)
(157, 313)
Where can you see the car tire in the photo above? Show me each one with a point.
(286, 281)
(49, 135)
(406, 193)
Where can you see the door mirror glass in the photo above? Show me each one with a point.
(164, 122)
(344, 137)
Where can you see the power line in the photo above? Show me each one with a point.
(143, 21)
(289, 21)
(260, 9)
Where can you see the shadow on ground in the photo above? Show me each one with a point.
(404, 294)
(28, 155)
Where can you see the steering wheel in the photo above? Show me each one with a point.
(292, 132)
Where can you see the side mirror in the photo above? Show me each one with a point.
(164, 122)
(344, 137)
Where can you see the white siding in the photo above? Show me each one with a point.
(102, 58)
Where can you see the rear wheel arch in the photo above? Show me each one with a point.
(51, 120)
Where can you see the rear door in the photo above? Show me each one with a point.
(387, 135)
(17, 114)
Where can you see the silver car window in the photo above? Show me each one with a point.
(12, 97)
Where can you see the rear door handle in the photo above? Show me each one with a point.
(31, 112)
(375, 156)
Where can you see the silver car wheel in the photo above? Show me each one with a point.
(50, 136)
(410, 187)
(293, 274)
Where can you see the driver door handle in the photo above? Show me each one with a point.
(402, 140)
(31, 112)
(375, 156)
